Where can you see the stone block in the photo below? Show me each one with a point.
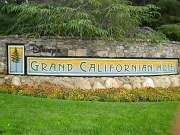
(178, 70)
(148, 83)
(163, 82)
(102, 53)
(98, 85)
(71, 53)
(175, 82)
(82, 84)
(28, 52)
(157, 55)
(60, 43)
(100, 42)
(136, 84)
(62, 52)
(112, 54)
(53, 42)
(118, 47)
(111, 83)
(2, 75)
(120, 54)
(31, 43)
(60, 83)
(2, 70)
(38, 54)
(2, 81)
(16, 81)
(127, 86)
(81, 52)
(73, 42)
(2, 52)
(91, 52)
(38, 43)
(101, 48)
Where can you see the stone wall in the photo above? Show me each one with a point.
(93, 82)
(95, 48)
(98, 48)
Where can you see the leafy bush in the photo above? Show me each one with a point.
(170, 7)
(172, 31)
(114, 95)
(170, 15)
(111, 19)
(6, 21)
(154, 36)
(170, 12)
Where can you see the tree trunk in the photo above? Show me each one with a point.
(16, 67)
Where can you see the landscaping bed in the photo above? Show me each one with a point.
(145, 94)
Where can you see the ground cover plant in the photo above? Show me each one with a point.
(113, 95)
(32, 115)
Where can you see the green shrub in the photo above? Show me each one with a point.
(113, 95)
(172, 31)
(170, 7)
(6, 21)
(108, 19)
(155, 37)
(170, 12)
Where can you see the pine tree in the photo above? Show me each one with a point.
(16, 57)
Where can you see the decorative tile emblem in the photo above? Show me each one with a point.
(16, 59)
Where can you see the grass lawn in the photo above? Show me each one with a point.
(31, 115)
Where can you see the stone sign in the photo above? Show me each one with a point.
(18, 63)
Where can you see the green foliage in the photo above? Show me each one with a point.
(170, 7)
(170, 21)
(112, 95)
(172, 31)
(15, 56)
(170, 11)
(170, 16)
(6, 22)
(156, 37)
(110, 19)
(144, 2)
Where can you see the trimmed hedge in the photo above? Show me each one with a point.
(112, 95)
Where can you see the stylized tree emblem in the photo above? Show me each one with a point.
(16, 57)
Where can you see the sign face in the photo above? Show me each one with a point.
(18, 63)
(16, 59)
(99, 66)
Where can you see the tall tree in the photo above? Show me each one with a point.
(109, 19)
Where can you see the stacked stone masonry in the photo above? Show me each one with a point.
(92, 82)
(91, 48)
